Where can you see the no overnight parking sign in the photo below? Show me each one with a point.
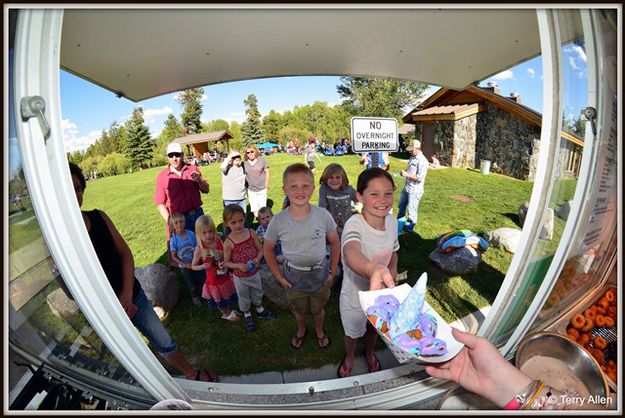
(374, 134)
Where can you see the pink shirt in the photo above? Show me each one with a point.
(178, 193)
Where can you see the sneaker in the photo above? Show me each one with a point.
(267, 314)
(232, 317)
(249, 323)
(196, 301)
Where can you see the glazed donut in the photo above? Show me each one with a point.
(600, 311)
(584, 338)
(573, 333)
(593, 308)
(588, 326)
(609, 322)
(612, 375)
(598, 355)
(609, 295)
(590, 314)
(603, 302)
(599, 342)
(578, 321)
(600, 321)
(611, 365)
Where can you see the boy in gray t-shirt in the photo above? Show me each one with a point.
(307, 274)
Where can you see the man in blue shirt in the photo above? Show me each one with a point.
(411, 194)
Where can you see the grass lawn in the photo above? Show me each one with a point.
(493, 202)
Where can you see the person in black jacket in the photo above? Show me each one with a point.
(118, 265)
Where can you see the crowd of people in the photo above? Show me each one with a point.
(304, 247)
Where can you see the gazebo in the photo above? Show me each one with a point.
(200, 142)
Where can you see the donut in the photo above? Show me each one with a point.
(433, 347)
(612, 375)
(600, 342)
(590, 314)
(600, 311)
(609, 322)
(609, 295)
(578, 321)
(598, 355)
(603, 302)
(611, 365)
(584, 338)
(573, 333)
(415, 333)
(600, 321)
(588, 326)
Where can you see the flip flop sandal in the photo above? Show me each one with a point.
(323, 340)
(375, 367)
(343, 370)
(299, 341)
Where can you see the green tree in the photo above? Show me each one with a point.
(89, 165)
(380, 97)
(118, 136)
(290, 133)
(251, 129)
(271, 125)
(235, 130)
(113, 164)
(215, 126)
(191, 110)
(139, 145)
(75, 157)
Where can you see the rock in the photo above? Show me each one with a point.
(160, 286)
(61, 305)
(505, 238)
(271, 288)
(546, 232)
(565, 209)
(523, 212)
(461, 261)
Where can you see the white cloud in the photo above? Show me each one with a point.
(572, 63)
(204, 98)
(504, 75)
(151, 114)
(239, 117)
(531, 72)
(74, 142)
(580, 52)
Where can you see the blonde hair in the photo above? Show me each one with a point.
(331, 170)
(174, 217)
(296, 168)
(231, 210)
(251, 147)
(202, 222)
(265, 210)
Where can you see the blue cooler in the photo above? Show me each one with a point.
(400, 225)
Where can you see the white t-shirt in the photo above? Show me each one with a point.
(377, 246)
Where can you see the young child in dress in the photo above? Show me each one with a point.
(336, 195)
(369, 249)
(182, 246)
(218, 290)
(242, 254)
(306, 274)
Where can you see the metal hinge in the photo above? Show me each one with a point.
(590, 113)
(35, 106)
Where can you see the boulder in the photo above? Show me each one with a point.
(160, 286)
(565, 209)
(523, 212)
(271, 288)
(546, 232)
(504, 238)
(461, 261)
(61, 305)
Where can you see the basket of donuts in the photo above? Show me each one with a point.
(412, 329)
(571, 279)
(594, 328)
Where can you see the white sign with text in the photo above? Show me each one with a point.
(374, 134)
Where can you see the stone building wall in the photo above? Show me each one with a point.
(444, 142)
(464, 142)
(508, 142)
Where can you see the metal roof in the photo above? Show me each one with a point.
(204, 137)
(140, 53)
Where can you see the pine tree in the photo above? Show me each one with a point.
(251, 130)
(139, 144)
(191, 110)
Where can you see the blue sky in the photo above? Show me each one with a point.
(87, 108)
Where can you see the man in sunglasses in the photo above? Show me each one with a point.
(178, 189)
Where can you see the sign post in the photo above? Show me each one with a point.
(374, 134)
